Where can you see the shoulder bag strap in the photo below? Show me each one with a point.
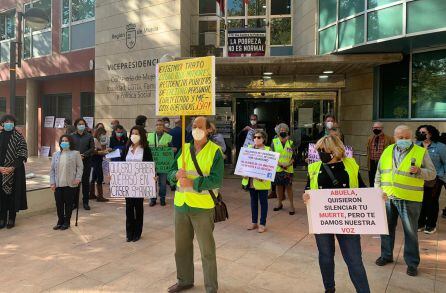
(331, 175)
(197, 167)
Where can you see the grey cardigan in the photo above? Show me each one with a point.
(74, 170)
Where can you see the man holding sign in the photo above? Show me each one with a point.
(161, 142)
(335, 172)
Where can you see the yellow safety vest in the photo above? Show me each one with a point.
(351, 167)
(286, 154)
(258, 185)
(400, 183)
(153, 141)
(205, 159)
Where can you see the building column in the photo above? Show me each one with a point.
(32, 121)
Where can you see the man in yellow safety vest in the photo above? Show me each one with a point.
(194, 206)
(402, 170)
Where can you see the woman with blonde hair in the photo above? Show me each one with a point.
(336, 171)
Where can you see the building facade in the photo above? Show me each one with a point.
(362, 60)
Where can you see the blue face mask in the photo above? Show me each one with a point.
(404, 143)
(119, 134)
(8, 126)
(81, 127)
(65, 145)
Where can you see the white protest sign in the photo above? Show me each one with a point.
(132, 179)
(90, 122)
(48, 122)
(249, 140)
(313, 156)
(347, 211)
(114, 154)
(257, 163)
(44, 151)
(60, 123)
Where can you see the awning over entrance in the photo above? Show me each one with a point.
(300, 65)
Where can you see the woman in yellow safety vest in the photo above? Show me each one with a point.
(283, 145)
(336, 171)
(258, 188)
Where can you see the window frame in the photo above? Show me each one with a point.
(69, 25)
(6, 11)
(366, 11)
(57, 97)
(33, 33)
(377, 102)
(246, 17)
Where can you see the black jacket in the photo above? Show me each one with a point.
(146, 157)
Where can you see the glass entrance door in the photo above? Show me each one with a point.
(308, 112)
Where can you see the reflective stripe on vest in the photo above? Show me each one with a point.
(258, 185)
(286, 154)
(205, 159)
(153, 140)
(351, 167)
(401, 183)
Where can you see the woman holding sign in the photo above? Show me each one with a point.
(336, 171)
(137, 150)
(258, 189)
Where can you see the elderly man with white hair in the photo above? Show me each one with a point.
(376, 144)
(401, 172)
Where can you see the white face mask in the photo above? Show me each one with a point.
(135, 138)
(329, 125)
(253, 122)
(198, 134)
(166, 125)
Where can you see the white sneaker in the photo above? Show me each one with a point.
(430, 230)
(421, 229)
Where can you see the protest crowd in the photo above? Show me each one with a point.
(409, 170)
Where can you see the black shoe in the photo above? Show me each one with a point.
(278, 208)
(152, 203)
(292, 213)
(129, 239)
(331, 290)
(443, 214)
(86, 207)
(178, 288)
(412, 271)
(64, 227)
(430, 230)
(163, 203)
(136, 238)
(11, 224)
(2, 224)
(57, 227)
(382, 261)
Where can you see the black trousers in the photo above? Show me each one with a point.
(85, 183)
(372, 172)
(134, 211)
(7, 206)
(430, 206)
(64, 197)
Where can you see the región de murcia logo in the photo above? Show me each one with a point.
(132, 32)
(130, 35)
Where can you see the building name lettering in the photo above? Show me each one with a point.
(133, 64)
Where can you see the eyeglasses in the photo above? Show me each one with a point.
(258, 137)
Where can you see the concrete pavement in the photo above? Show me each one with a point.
(94, 256)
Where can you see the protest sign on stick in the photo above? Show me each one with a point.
(132, 179)
(347, 211)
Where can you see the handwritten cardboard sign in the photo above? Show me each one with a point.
(132, 179)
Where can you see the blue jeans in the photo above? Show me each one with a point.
(409, 212)
(162, 182)
(257, 195)
(351, 251)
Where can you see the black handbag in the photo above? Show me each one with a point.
(220, 209)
